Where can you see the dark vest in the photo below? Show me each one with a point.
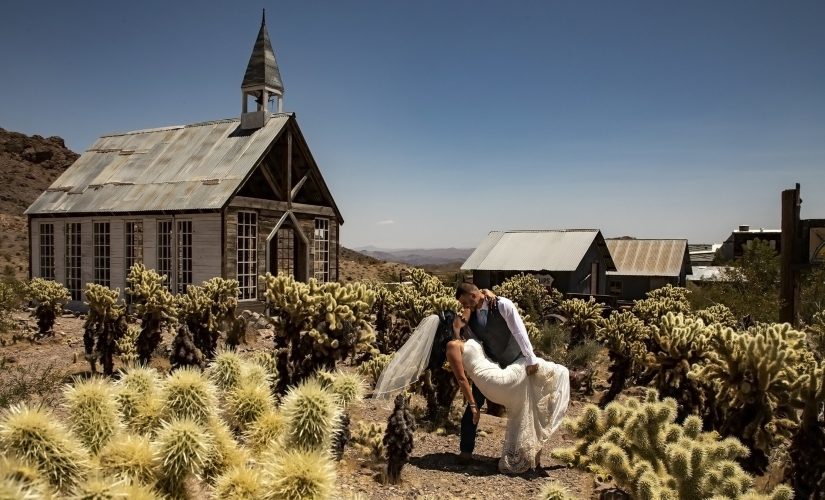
(499, 343)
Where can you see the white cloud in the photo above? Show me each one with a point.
(385, 222)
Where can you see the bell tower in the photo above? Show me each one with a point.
(261, 82)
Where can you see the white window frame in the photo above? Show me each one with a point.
(102, 253)
(74, 259)
(183, 254)
(133, 242)
(47, 250)
(166, 251)
(321, 250)
(246, 246)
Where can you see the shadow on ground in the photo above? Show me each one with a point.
(481, 466)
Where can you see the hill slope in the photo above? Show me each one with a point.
(28, 165)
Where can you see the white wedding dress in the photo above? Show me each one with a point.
(535, 404)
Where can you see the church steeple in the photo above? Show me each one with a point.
(262, 81)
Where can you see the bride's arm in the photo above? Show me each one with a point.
(457, 365)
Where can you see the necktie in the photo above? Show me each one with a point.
(482, 318)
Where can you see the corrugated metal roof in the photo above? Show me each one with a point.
(545, 250)
(647, 257)
(189, 167)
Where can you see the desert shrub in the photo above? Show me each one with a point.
(105, 325)
(807, 462)
(816, 334)
(316, 325)
(661, 301)
(12, 296)
(717, 314)
(154, 304)
(50, 298)
(35, 381)
(209, 310)
(641, 447)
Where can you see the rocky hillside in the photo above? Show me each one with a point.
(355, 266)
(28, 165)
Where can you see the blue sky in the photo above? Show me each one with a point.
(436, 122)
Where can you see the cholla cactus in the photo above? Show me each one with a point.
(127, 346)
(398, 439)
(93, 412)
(155, 305)
(807, 460)
(582, 318)
(104, 326)
(368, 439)
(225, 370)
(648, 455)
(21, 481)
(371, 369)
(187, 394)
(757, 382)
(262, 366)
(183, 448)
(184, 351)
(35, 436)
(717, 314)
(348, 388)
(624, 335)
(99, 487)
(239, 483)
(209, 310)
(129, 456)
(264, 431)
(530, 295)
(659, 302)
(137, 395)
(298, 475)
(226, 452)
(678, 343)
(246, 402)
(316, 324)
(312, 417)
(555, 491)
(50, 296)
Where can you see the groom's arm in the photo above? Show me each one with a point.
(514, 322)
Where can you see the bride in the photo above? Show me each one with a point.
(535, 404)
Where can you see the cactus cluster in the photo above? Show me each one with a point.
(146, 436)
(674, 346)
(756, 380)
(371, 370)
(659, 302)
(583, 318)
(398, 439)
(105, 325)
(154, 304)
(717, 314)
(184, 351)
(640, 445)
(625, 337)
(368, 440)
(807, 472)
(50, 297)
(530, 296)
(316, 325)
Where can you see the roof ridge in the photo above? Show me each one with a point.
(189, 125)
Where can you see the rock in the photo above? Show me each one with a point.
(10, 359)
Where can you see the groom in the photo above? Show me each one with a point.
(501, 331)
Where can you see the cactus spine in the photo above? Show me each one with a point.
(298, 475)
(187, 394)
(312, 417)
(93, 412)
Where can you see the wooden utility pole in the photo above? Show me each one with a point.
(789, 285)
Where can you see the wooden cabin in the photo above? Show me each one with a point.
(234, 198)
(643, 265)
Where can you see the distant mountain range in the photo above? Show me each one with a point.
(418, 256)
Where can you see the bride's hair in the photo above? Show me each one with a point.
(443, 335)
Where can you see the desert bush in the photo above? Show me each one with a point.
(583, 318)
(13, 295)
(50, 298)
(625, 337)
(316, 325)
(756, 382)
(807, 462)
(816, 334)
(641, 447)
(37, 382)
(154, 304)
(105, 325)
(717, 314)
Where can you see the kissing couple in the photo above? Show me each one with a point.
(492, 359)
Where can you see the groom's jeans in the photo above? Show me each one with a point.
(468, 428)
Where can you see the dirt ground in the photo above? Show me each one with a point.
(433, 471)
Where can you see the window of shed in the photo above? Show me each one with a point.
(47, 251)
(321, 250)
(102, 253)
(165, 235)
(134, 244)
(248, 255)
(615, 287)
(184, 256)
(73, 259)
